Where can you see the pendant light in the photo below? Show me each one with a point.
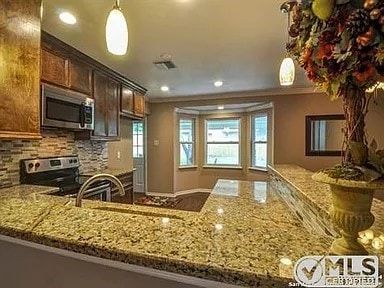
(116, 31)
(287, 72)
(287, 67)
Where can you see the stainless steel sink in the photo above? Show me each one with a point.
(135, 212)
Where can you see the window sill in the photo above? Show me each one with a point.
(258, 169)
(187, 167)
(222, 167)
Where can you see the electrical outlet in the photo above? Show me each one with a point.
(118, 155)
(155, 142)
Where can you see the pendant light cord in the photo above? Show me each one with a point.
(289, 25)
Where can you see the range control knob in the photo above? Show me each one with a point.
(30, 166)
(37, 165)
(75, 161)
(70, 161)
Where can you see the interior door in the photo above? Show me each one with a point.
(138, 137)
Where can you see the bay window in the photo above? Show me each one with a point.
(222, 142)
(186, 141)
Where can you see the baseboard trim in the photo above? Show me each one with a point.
(178, 193)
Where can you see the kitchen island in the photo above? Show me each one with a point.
(238, 238)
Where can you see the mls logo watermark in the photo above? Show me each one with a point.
(337, 271)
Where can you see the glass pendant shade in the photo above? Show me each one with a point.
(116, 32)
(287, 72)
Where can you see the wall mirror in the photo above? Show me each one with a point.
(324, 135)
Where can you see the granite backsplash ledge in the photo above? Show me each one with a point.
(93, 154)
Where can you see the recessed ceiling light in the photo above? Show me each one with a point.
(68, 18)
(164, 88)
(220, 107)
(218, 83)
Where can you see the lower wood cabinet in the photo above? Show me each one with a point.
(127, 181)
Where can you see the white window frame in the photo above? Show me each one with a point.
(193, 142)
(135, 148)
(253, 142)
(206, 142)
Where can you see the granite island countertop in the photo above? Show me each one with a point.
(319, 193)
(238, 237)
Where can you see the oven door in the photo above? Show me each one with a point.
(66, 109)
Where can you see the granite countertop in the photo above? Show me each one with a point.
(24, 190)
(113, 171)
(239, 236)
(319, 193)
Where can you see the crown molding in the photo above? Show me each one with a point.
(245, 94)
(257, 107)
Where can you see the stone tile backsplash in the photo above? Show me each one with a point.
(93, 154)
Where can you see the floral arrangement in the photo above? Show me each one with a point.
(340, 45)
(344, 47)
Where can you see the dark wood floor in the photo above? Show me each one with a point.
(191, 202)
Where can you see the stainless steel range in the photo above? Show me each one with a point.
(61, 172)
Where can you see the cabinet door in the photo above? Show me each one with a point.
(113, 108)
(139, 103)
(126, 100)
(19, 70)
(80, 77)
(100, 85)
(54, 68)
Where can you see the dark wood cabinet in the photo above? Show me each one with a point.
(139, 104)
(126, 101)
(54, 67)
(127, 181)
(63, 65)
(113, 108)
(100, 84)
(57, 68)
(20, 69)
(107, 107)
(80, 77)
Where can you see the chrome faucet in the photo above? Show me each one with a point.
(98, 177)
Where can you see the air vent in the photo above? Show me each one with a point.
(165, 65)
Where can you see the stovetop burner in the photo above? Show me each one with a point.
(61, 172)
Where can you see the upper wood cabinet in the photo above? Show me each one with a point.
(80, 77)
(107, 107)
(62, 65)
(20, 70)
(113, 108)
(139, 104)
(126, 101)
(54, 67)
(59, 69)
(100, 84)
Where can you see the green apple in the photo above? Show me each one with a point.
(323, 9)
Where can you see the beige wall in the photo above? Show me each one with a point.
(124, 146)
(289, 140)
(160, 161)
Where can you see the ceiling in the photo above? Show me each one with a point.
(241, 42)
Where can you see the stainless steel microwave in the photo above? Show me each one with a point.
(64, 108)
